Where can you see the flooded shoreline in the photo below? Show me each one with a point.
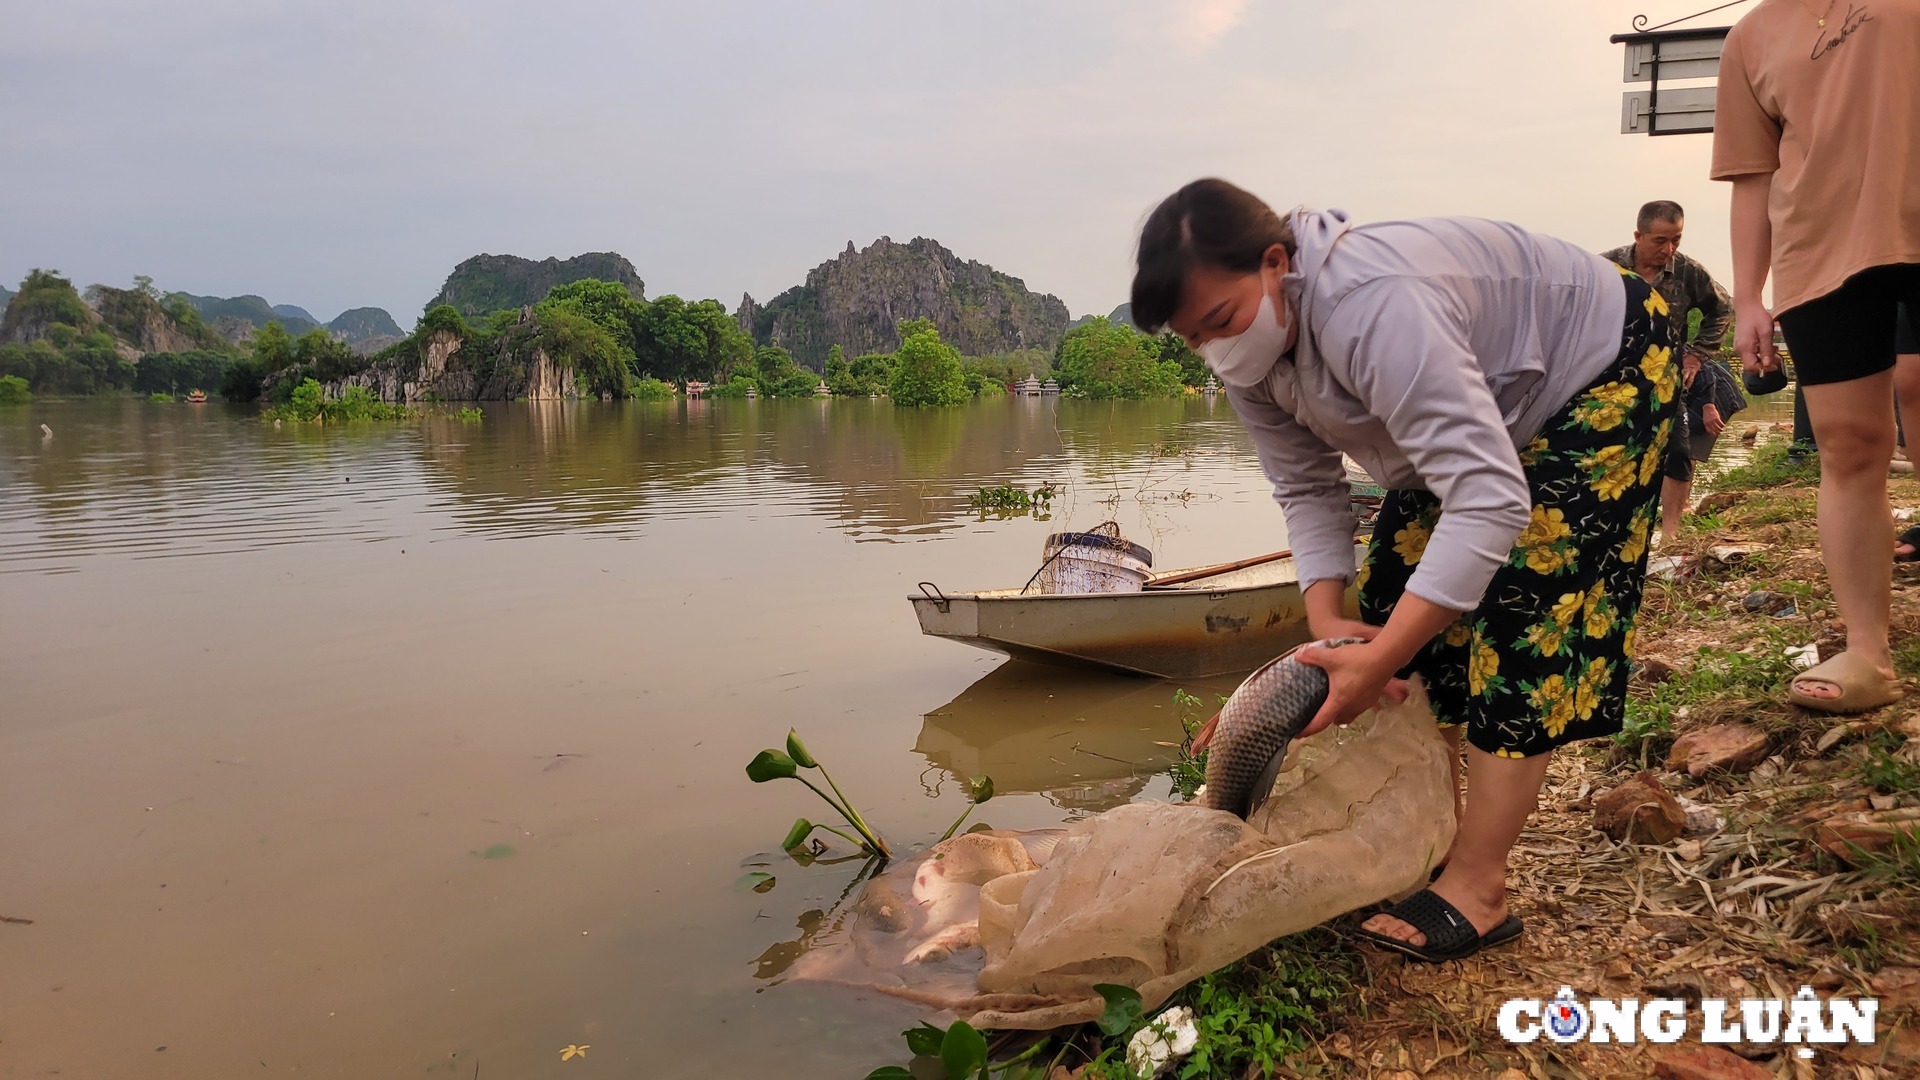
(275, 697)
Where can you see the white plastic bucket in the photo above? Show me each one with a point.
(1093, 563)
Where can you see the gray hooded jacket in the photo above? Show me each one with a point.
(1430, 351)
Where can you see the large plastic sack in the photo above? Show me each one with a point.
(1150, 895)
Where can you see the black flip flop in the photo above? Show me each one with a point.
(1911, 538)
(1450, 935)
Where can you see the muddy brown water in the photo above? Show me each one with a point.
(417, 750)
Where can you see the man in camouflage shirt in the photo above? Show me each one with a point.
(1711, 393)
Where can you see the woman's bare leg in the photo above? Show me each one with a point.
(1501, 794)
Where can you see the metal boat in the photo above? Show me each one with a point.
(1183, 624)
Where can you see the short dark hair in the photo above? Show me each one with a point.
(1658, 210)
(1208, 222)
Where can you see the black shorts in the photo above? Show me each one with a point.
(1677, 463)
(1853, 331)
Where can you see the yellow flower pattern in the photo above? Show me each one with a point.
(1612, 471)
(1586, 697)
(1636, 543)
(1542, 545)
(1534, 664)
(1567, 608)
(1411, 542)
(1599, 612)
(1483, 665)
(1546, 637)
(1649, 465)
(1608, 406)
(1657, 365)
(1553, 703)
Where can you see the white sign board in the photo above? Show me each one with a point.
(1698, 58)
(1678, 111)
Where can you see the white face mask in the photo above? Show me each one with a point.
(1245, 359)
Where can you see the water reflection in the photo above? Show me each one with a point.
(174, 480)
(1085, 742)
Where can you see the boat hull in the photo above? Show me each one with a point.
(1230, 623)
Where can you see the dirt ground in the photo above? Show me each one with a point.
(1754, 907)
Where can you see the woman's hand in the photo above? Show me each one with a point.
(1710, 419)
(1358, 677)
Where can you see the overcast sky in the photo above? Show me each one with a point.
(349, 153)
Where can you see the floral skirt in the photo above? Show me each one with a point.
(1543, 660)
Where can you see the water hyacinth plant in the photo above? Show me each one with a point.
(774, 765)
(778, 765)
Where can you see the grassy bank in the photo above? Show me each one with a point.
(1787, 874)
(1795, 867)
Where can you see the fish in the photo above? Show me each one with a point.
(1247, 740)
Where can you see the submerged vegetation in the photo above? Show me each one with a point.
(1102, 359)
(308, 403)
(1008, 499)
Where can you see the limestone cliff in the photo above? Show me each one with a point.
(489, 283)
(444, 367)
(142, 326)
(857, 301)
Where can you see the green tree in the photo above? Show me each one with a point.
(778, 375)
(678, 341)
(607, 303)
(272, 348)
(324, 357)
(1193, 369)
(872, 373)
(177, 373)
(446, 317)
(574, 340)
(926, 370)
(1099, 359)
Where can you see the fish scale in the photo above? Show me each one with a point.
(1255, 726)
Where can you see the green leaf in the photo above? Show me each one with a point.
(496, 851)
(924, 1040)
(798, 751)
(889, 1072)
(964, 1051)
(770, 765)
(758, 881)
(980, 789)
(802, 828)
(1123, 1008)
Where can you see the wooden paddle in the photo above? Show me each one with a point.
(1209, 571)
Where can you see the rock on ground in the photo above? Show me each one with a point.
(1721, 748)
(1707, 1063)
(1640, 810)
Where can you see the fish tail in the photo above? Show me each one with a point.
(1205, 735)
